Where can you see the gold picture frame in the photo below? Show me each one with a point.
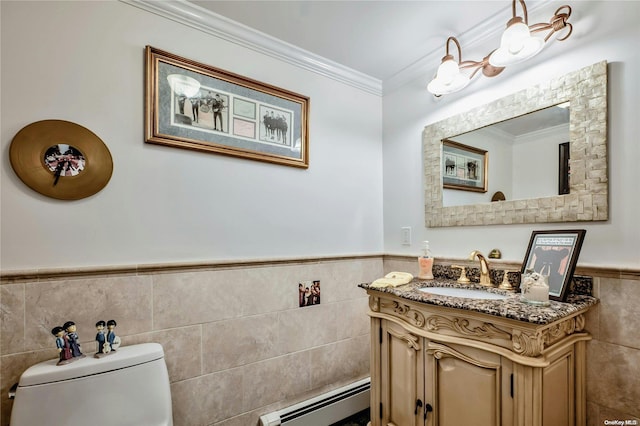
(196, 106)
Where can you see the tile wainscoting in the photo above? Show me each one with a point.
(236, 343)
(613, 356)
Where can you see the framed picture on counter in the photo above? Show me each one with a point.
(554, 254)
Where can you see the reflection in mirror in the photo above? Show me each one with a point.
(588, 187)
(518, 148)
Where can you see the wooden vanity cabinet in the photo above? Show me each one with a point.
(438, 366)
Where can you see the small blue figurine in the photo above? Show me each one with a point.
(100, 337)
(112, 339)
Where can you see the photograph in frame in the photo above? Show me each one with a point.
(555, 254)
(464, 167)
(197, 106)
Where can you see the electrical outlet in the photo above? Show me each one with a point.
(406, 235)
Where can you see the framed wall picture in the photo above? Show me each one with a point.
(555, 254)
(197, 106)
(464, 167)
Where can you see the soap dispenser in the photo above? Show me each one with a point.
(425, 263)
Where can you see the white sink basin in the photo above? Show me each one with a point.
(463, 292)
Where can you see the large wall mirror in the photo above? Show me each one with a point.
(545, 157)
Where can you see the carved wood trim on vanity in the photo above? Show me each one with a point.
(461, 326)
(517, 337)
(413, 342)
(441, 351)
(412, 316)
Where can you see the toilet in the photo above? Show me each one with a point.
(127, 388)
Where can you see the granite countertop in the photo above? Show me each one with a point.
(512, 307)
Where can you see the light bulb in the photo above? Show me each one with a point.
(516, 44)
(448, 79)
(514, 37)
(447, 71)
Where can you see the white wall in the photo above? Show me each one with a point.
(83, 62)
(536, 164)
(603, 30)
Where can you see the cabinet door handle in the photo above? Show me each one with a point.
(427, 409)
(418, 405)
(511, 384)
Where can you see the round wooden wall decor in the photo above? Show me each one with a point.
(61, 159)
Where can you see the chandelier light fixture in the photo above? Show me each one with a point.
(520, 41)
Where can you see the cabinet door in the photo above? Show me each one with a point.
(402, 376)
(558, 391)
(467, 386)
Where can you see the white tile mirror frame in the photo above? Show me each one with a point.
(586, 90)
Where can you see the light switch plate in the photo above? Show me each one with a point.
(406, 235)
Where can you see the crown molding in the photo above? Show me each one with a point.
(186, 13)
(194, 16)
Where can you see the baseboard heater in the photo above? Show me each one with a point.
(325, 409)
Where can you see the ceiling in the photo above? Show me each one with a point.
(377, 38)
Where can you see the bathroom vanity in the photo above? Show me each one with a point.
(444, 360)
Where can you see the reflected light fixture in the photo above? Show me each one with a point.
(183, 85)
(517, 44)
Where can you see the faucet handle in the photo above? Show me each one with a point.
(506, 285)
(463, 274)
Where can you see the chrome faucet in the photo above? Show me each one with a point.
(485, 278)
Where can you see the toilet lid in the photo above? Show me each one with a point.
(124, 357)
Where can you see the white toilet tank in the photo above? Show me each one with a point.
(128, 388)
